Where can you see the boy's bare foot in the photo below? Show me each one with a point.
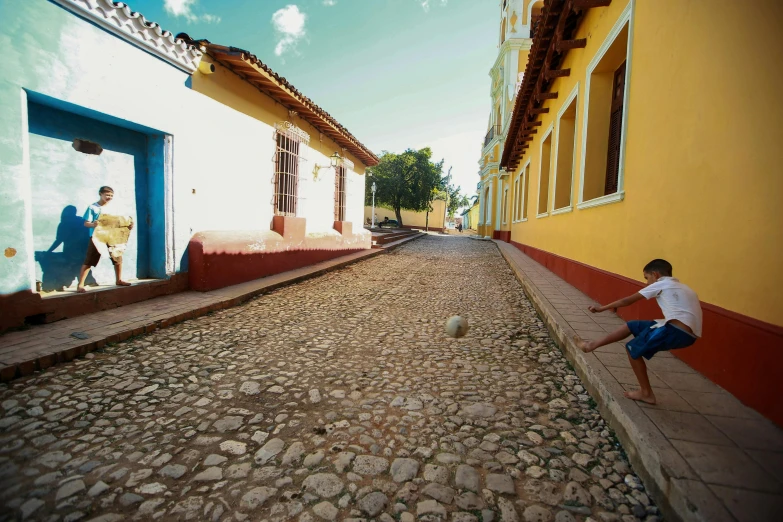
(81, 290)
(123, 283)
(638, 395)
(585, 346)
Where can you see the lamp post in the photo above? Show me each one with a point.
(373, 204)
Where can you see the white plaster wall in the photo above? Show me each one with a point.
(222, 159)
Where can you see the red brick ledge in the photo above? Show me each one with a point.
(25, 352)
(21, 305)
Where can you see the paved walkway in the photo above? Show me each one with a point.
(338, 398)
(715, 458)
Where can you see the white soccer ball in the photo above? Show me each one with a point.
(456, 326)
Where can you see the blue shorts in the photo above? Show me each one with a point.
(647, 341)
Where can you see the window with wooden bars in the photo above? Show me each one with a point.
(286, 178)
(615, 131)
(602, 138)
(340, 193)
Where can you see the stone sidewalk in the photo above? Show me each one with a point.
(26, 351)
(703, 454)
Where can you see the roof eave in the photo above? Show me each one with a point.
(258, 74)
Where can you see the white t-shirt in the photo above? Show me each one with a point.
(677, 301)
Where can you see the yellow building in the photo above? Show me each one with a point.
(513, 46)
(434, 220)
(470, 217)
(650, 129)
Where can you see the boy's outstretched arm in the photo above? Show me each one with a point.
(625, 301)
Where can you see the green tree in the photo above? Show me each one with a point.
(452, 195)
(404, 181)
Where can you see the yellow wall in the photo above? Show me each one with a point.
(410, 218)
(227, 88)
(703, 183)
(473, 216)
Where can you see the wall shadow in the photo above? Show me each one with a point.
(59, 269)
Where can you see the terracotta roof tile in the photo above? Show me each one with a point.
(247, 65)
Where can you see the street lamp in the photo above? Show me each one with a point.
(373, 204)
(334, 161)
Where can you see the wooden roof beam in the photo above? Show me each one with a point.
(542, 110)
(557, 73)
(533, 124)
(546, 96)
(589, 4)
(565, 45)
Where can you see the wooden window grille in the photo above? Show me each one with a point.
(615, 131)
(289, 140)
(340, 193)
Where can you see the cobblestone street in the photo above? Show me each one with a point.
(333, 399)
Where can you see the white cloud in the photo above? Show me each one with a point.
(184, 8)
(329, 3)
(289, 23)
(425, 4)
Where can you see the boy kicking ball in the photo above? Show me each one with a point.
(680, 327)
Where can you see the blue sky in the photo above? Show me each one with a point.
(396, 73)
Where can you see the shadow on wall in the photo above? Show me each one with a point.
(59, 269)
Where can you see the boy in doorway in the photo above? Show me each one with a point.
(92, 258)
(680, 327)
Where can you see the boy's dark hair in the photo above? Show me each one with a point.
(104, 189)
(661, 266)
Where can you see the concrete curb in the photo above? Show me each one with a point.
(678, 492)
(57, 345)
(394, 244)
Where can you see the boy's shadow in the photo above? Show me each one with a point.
(60, 269)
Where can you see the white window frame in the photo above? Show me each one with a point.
(525, 174)
(627, 17)
(567, 103)
(517, 184)
(504, 203)
(291, 182)
(548, 133)
(499, 210)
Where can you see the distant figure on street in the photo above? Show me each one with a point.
(93, 256)
(459, 228)
(385, 220)
(680, 327)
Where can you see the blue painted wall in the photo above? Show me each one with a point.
(64, 182)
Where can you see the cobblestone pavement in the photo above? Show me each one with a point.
(337, 398)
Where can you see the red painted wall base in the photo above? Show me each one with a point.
(741, 354)
(211, 271)
(502, 235)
